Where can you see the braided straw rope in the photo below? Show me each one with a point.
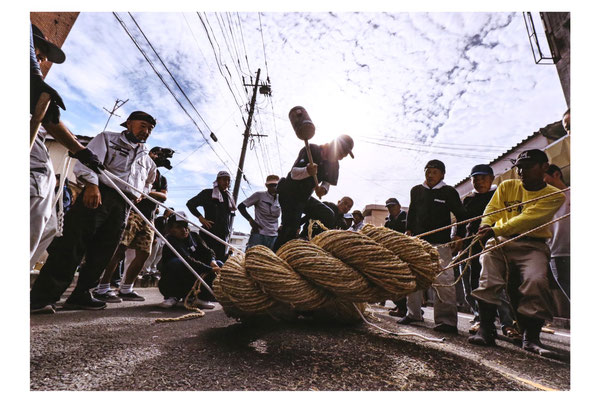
(327, 275)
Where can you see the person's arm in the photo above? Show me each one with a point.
(410, 218)
(494, 204)
(533, 215)
(199, 200)
(91, 193)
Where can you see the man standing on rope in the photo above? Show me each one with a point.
(42, 215)
(94, 224)
(525, 258)
(430, 206)
(137, 235)
(219, 209)
(266, 214)
(295, 190)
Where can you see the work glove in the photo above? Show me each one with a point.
(38, 86)
(89, 159)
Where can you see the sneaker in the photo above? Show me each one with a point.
(206, 305)
(445, 328)
(132, 296)
(108, 297)
(42, 309)
(83, 301)
(169, 302)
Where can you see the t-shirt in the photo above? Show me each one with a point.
(560, 243)
(148, 207)
(266, 211)
(302, 189)
(521, 218)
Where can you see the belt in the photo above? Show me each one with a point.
(107, 188)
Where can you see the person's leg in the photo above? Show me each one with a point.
(414, 301)
(113, 264)
(561, 270)
(318, 211)
(105, 241)
(255, 239)
(467, 288)
(493, 275)
(65, 254)
(141, 243)
(41, 205)
(291, 214)
(445, 311)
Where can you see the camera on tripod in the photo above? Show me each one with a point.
(162, 156)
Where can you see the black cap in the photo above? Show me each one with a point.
(52, 51)
(436, 164)
(346, 143)
(532, 156)
(392, 201)
(140, 115)
(482, 169)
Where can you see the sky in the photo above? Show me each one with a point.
(408, 87)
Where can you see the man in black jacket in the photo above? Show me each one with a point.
(176, 279)
(219, 208)
(295, 190)
(430, 206)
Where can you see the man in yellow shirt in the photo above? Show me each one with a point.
(525, 259)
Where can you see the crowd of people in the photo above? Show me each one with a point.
(117, 171)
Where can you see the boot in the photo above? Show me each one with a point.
(531, 336)
(486, 332)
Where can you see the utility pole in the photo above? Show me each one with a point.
(115, 108)
(238, 176)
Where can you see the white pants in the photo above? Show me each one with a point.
(42, 213)
(445, 310)
(155, 256)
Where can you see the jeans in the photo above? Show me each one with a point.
(258, 239)
(561, 270)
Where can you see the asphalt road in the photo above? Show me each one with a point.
(124, 348)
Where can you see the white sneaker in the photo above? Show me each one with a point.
(168, 303)
(207, 305)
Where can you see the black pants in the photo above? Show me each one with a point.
(217, 247)
(291, 214)
(94, 233)
(176, 280)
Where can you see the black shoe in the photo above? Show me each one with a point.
(397, 313)
(83, 301)
(133, 296)
(42, 309)
(108, 297)
(407, 320)
(445, 328)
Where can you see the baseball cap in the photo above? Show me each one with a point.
(272, 179)
(392, 201)
(436, 164)
(531, 156)
(141, 116)
(223, 174)
(52, 51)
(346, 143)
(482, 169)
(177, 218)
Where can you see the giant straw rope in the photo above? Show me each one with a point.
(326, 275)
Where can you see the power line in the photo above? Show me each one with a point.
(426, 151)
(168, 88)
(263, 44)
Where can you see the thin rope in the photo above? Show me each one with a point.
(498, 246)
(398, 333)
(492, 213)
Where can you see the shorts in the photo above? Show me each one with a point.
(138, 234)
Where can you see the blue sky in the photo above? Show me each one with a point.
(408, 87)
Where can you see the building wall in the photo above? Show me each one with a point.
(558, 32)
(56, 26)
